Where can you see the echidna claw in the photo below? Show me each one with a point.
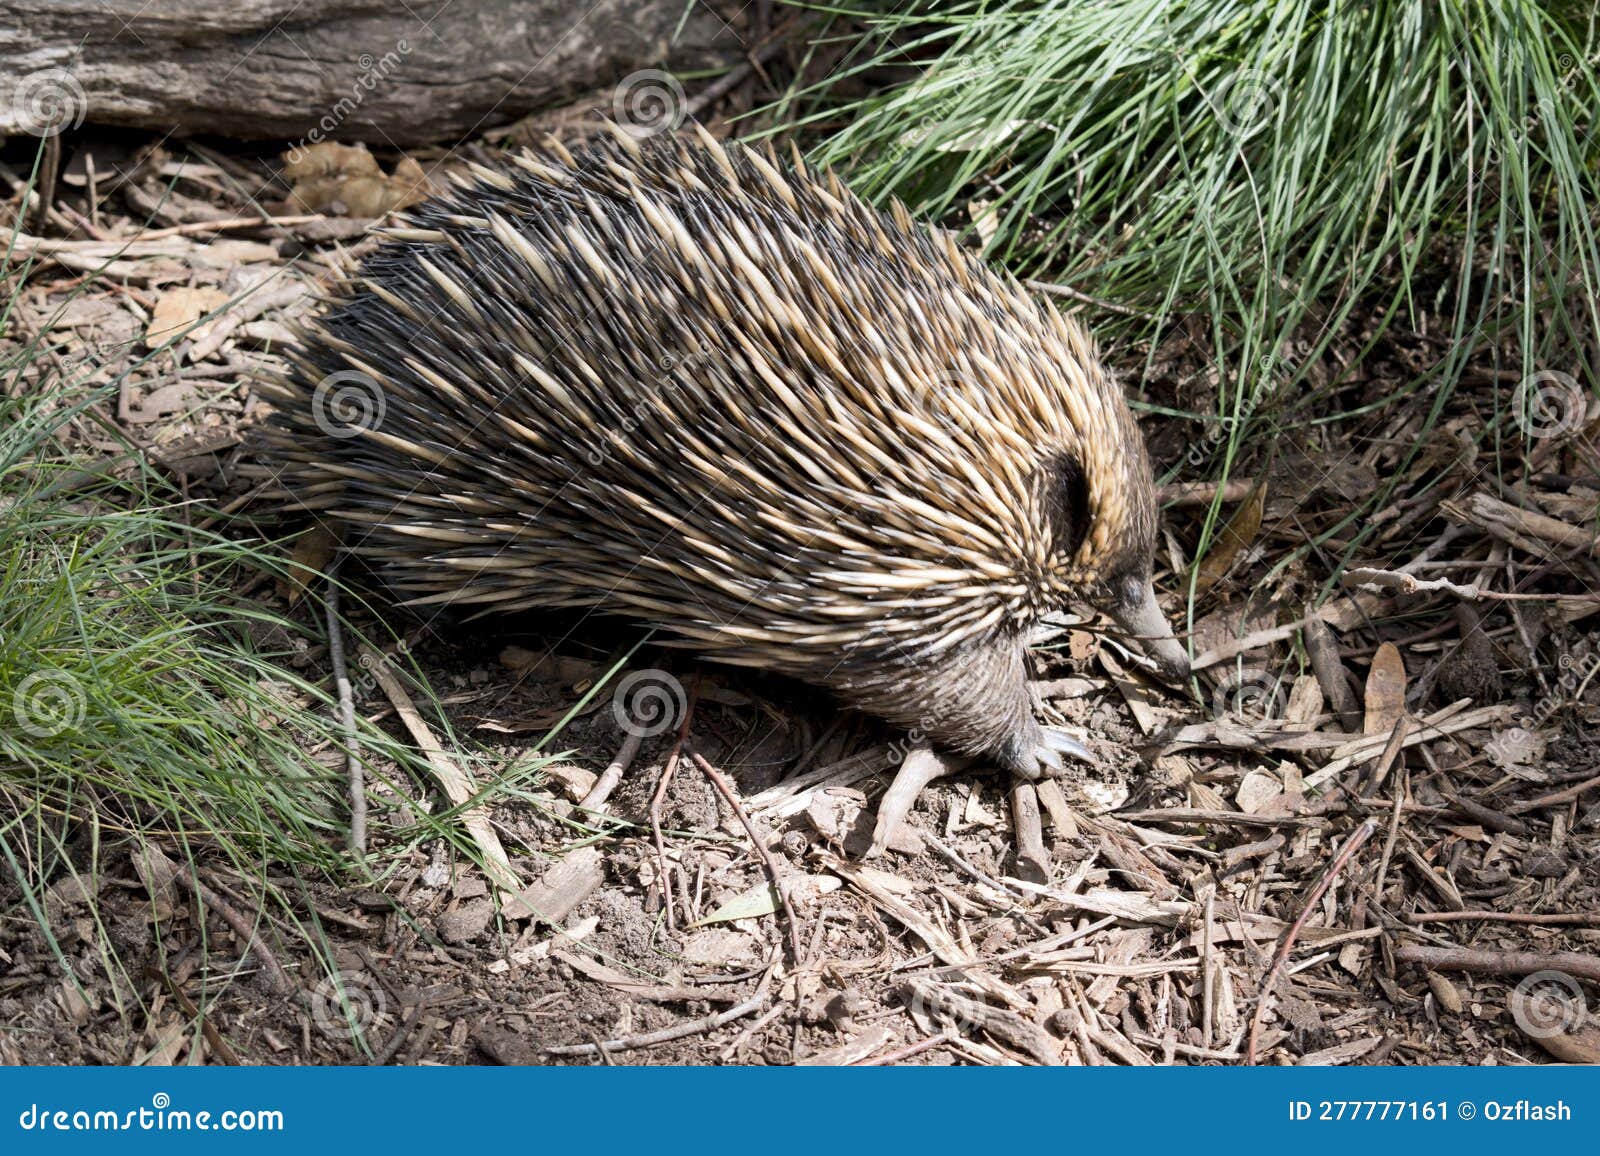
(1058, 743)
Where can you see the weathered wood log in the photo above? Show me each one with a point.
(308, 70)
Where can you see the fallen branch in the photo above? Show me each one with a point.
(1366, 578)
(277, 978)
(1003, 1024)
(1525, 529)
(920, 767)
(1551, 918)
(725, 789)
(1033, 857)
(1483, 962)
(608, 780)
(355, 773)
(1568, 795)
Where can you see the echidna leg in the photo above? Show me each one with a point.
(972, 700)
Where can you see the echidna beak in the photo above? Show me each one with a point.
(1150, 628)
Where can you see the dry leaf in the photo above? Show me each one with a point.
(1386, 691)
(763, 900)
(1258, 789)
(1233, 539)
(1516, 747)
(313, 550)
(178, 308)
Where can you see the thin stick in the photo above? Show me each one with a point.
(1567, 796)
(277, 978)
(676, 1032)
(355, 772)
(195, 227)
(1207, 979)
(1372, 579)
(608, 780)
(1079, 295)
(1552, 918)
(1360, 836)
(457, 785)
(663, 867)
(1389, 841)
(962, 864)
(725, 789)
(1500, 962)
(904, 1053)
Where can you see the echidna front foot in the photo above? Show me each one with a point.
(1037, 752)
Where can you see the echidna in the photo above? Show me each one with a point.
(693, 386)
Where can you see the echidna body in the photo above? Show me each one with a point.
(689, 385)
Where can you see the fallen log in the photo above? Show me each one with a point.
(301, 71)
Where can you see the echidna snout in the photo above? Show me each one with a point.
(695, 387)
(1139, 615)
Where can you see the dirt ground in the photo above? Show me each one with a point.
(1404, 806)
